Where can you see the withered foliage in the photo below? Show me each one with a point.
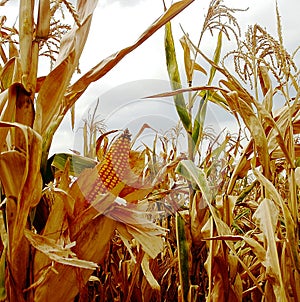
(216, 222)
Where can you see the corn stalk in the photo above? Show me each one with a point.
(32, 108)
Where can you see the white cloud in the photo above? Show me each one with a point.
(118, 23)
(115, 27)
(121, 2)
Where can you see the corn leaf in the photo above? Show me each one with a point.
(98, 71)
(254, 125)
(199, 120)
(199, 68)
(148, 274)
(215, 97)
(77, 163)
(56, 252)
(188, 89)
(266, 217)
(192, 173)
(174, 77)
(183, 256)
(275, 137)
(216, 58)
(188, 62)
(134, 220)
(202, 108)
(288, 220)
(7, 74)
(92, 243)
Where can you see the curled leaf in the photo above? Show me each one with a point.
(56, 252)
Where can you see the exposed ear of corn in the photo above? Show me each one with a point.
(54, 97)
(107, 176)
(113, 167)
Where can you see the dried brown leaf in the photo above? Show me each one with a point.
(92, 243)
(134, 222)
(254, 125)
(98, 71)
(266, 217)
(148, 274)
(56, 83)
(56, 252)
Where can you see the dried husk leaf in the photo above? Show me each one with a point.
(7, 74)
(225, 205)
(266, 217)
(290, 228)
(278, 131)
(134, 222)
(13, 50)
(24, 113)
(199, 215)
(9, 99)
(56, 252)
(148, 274)
(297, 176)
(257, 249)
(28, 190)
(12, 165)
(2, 53)
(56, 224)
(3, 100)
(92, 244)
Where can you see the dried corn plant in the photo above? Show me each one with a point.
(92, 127)
(49, 248)
(137, 225)
(239, 239)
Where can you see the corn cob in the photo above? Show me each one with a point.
(112, 168)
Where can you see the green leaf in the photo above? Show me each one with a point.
(192, 173)
(183, 259)
(77, 163)
(199, 122)
(201, 113)
(174, 77)
(214, 97)
(217, 56)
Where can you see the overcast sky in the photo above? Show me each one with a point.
(118, 23)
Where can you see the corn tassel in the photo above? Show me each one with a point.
(112, 168)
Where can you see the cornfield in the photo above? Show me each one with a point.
(125, 224)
